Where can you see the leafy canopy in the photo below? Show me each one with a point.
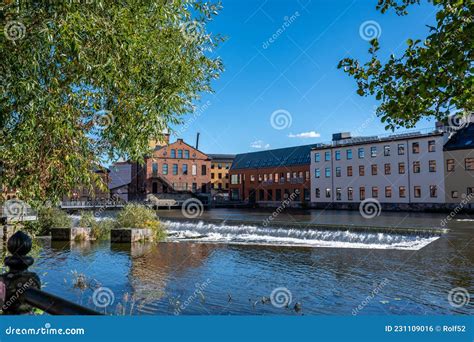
(86, 81)
(433, 78)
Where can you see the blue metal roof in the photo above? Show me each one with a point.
(289, 156)
(462, 139)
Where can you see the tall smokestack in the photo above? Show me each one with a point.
(197, 140)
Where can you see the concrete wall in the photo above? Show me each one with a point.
(460, 179)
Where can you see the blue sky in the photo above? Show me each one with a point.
(294, 77)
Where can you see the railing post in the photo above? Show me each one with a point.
(17, 280)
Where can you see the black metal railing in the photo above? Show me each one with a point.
(20, 290)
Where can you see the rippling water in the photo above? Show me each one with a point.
(213, 269)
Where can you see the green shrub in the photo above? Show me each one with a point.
(48, 218)
(139, 216)
(100, 229)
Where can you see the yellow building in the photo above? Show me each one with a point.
(220, 166)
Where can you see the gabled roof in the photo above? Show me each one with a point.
(462, 139)
(289, 156)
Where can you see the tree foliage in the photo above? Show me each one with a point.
(433, 78)
(86, 81)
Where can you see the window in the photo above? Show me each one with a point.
(349, 171)
(387, 169)
(328, 172)
(373, 151)
(212, 175)
(261, 195)
(361, 170)
(194, 170)
(431, 146)
(361, 153)
(469, 164)
(432, 165)
(227, 166)
(338, 155)
(401, 149)
(386, 150)
(349, 154)
(185, 169)
(338, 171)
(401, 168)
(275, 177)
(180, 154)
(327, 156)
(154, 169)
(186, 154)
(328, 193)
(415, 147)
(173, 153)
(374, 169)
(350, 193)
(306, 174)
(388, 191)
(433, 191)
(213, 165)
(454, 194)
(269, 195)
(417, 191)
(375, 192)
(362, 193)
(203, 170)
(234, 179)
(450, 165)
(317, 173)
(252, 178)
(402, 192)
(338, 194)
(470, 191)
(219, 166)
(416, 167)
(165, 169)
(175, 169)
(317, 193)
(317, 157)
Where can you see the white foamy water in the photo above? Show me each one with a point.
(207, 232)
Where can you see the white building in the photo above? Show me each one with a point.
(402, 168)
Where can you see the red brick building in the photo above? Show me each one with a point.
(270, 177)
(177, 167)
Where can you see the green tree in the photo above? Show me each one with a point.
(433, 78)
(86, 81)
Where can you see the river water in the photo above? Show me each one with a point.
(244, 269)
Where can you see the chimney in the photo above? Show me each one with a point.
(197, 140)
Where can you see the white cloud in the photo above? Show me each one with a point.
(259, 144)
(305, 135)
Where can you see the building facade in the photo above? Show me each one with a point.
(220, 166)
(269, 177)
(397, 169)
(177, 167)
(82, 193)
(459, 167)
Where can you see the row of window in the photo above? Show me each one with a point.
(468, 164)
(180, 154)
(270, 195)
(373, 151)
(219, 176)
(469, 191)
(374, 169)
(402, 192)
(175, 169)
(220, 166)
(280, 177)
